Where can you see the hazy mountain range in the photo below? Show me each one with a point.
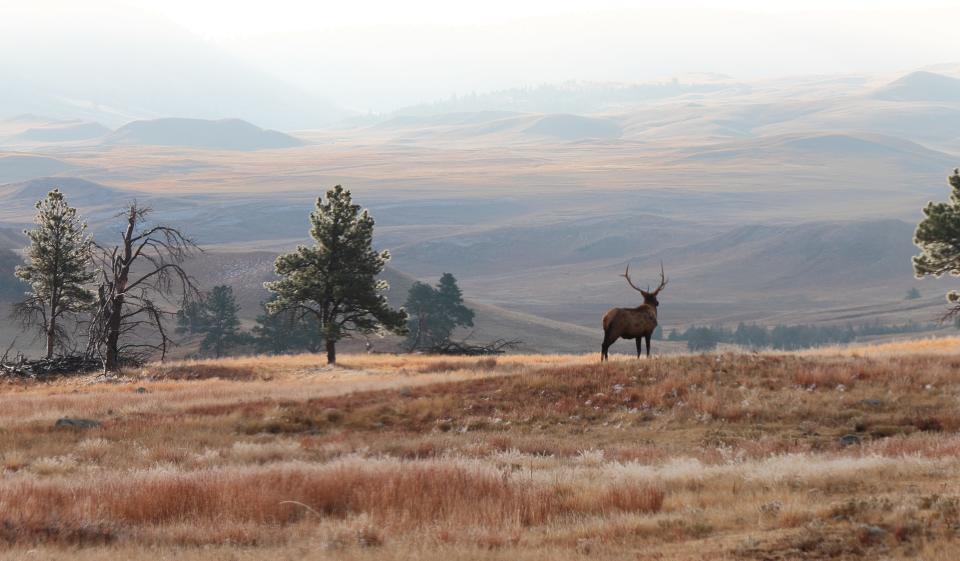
(110, 63)
(787, 201)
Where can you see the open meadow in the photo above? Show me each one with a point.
(837, 454)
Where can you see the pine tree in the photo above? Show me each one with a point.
(938, 237)
(453, 313)
(215, 317)
(190, 317)
(420, 304)
(11, 287)
(57, 269)
(435, 312)
(287, 331)
(336, 279)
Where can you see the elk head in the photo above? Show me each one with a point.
(649, 296)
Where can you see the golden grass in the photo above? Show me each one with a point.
(931, 345)
(522, 457)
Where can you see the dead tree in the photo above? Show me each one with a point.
(136, 278)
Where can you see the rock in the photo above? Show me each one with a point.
(871, 534)
(141, 390)
(77, 423)
(849, 440)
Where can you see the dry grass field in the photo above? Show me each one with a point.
(838, 454)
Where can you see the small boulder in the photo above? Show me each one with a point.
(849, 440)
(871, 534)
(77, 423)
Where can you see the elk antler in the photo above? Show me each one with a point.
(663, 281)
(626, 275)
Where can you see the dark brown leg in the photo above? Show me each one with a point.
(606, 346)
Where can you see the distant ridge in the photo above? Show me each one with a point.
(20, 167)
(575, 127)
(222, 134)
(827, 146)
(79, 192)
(921, 86)
(29, 118)
(64, 132)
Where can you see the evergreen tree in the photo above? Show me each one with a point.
(435, 312)
(702, 339)
(215, 317)
(453, 313)
(12, 288)
(287, 331)
(57, 269)
(938, 237)
(190, 317)
(336, 279)
(420, 305)
(752, 336)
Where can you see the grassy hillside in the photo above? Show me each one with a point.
(813, 456)
(247, 271)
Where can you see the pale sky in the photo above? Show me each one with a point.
(383, 54)
(219, 18)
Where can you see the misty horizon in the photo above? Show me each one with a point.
(376, 58)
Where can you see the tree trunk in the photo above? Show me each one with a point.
(331, 351)
(51, 335)
(111, 360)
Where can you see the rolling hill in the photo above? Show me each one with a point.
(21, 166)
(921, 86)
(80, 192)
(63, 132)
(574, 127)
(223, 134)
(247, 271)
(828, 148)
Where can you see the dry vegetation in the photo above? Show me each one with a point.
(832, 455)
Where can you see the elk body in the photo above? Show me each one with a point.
(633, 323)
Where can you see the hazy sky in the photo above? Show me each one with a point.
(218, 18)
(383, 54)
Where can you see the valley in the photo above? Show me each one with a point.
(767, 202)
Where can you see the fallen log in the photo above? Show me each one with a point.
(21, 367)
(497, 347)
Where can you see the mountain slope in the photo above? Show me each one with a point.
(79, 192)
(921, 86)
(247, 271)
(112, 62)
(826, 147)
(223, 134)
(63, 132)
(19, 167)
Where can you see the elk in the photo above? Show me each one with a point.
(633, 323)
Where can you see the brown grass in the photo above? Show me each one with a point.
(414, 457)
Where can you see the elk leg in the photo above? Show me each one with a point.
(606, 345)
(640, 346)
(648, 345)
